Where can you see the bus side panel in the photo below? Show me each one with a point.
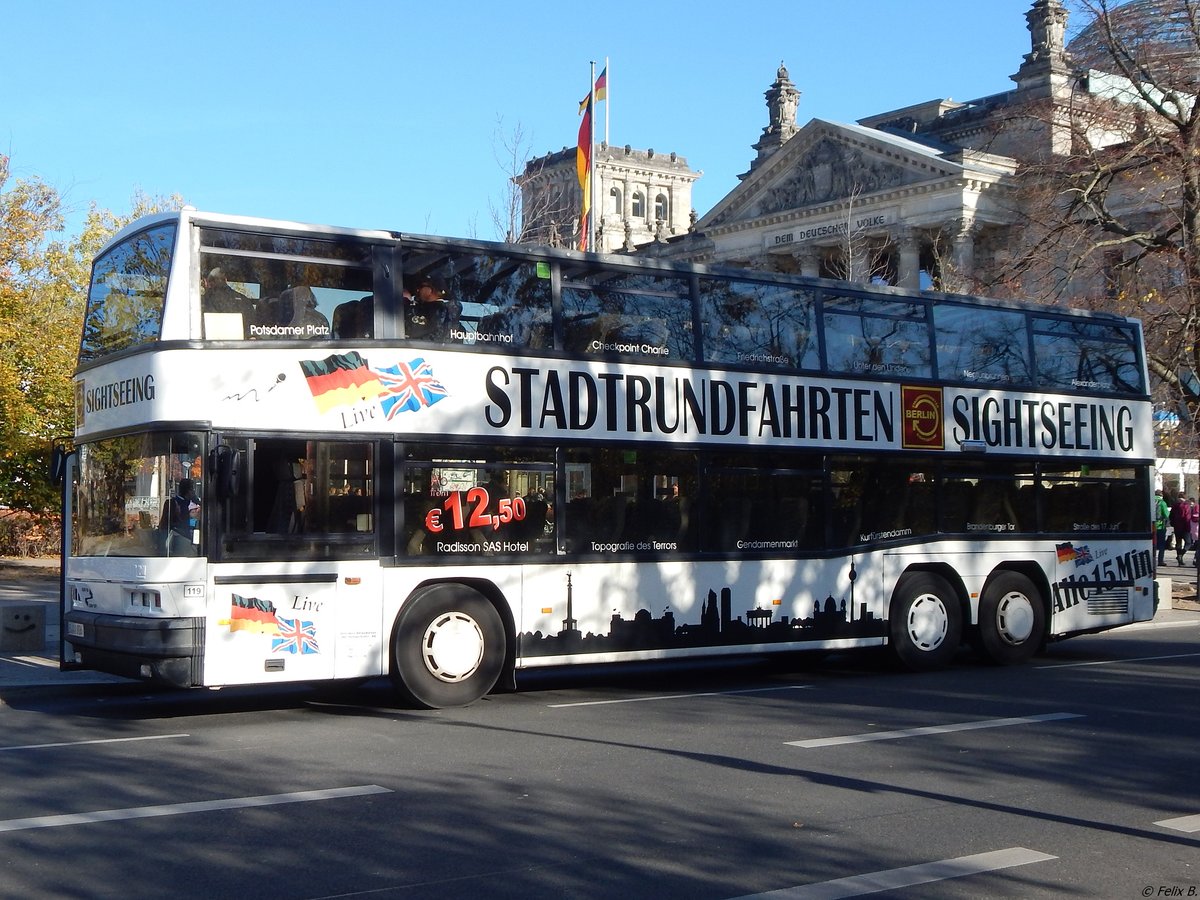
(271, 625)
(626, 610)
(1100, 584)
(1094, 584)
(362, 637)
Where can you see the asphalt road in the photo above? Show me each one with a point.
(1074, 776)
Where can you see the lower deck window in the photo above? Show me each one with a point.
(475, 503)
(630, 501)
(302, 498)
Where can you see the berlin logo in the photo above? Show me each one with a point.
(922, 417)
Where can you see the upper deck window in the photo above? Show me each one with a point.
(279, 287)
(982, 346)
(763, 325)
(637, 315)
(1087, 356)
(869, 336)
(125, 300)
(475, 298)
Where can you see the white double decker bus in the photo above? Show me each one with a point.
(309, 453)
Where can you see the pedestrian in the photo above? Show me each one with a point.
(1162, 513)
(1181, 525)
(1193, 523)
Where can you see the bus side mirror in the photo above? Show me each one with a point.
(58, 464)
(225, 463)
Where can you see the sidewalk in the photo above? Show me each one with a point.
(36, 580)
(1184, 582)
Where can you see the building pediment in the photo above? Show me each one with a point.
(829, 170)
(829, 163)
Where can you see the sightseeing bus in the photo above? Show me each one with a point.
(311, 453)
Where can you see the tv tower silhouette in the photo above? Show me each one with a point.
(570, 626)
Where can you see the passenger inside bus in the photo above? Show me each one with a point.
(428, 314)
(227, 313)
(180, 519)
(355, 318)
(293, 313)
(287, 505)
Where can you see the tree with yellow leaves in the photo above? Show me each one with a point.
(43, 290)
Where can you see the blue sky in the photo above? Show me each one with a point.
(386, 113)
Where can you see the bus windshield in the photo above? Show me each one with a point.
(138, 496)
(125, 301)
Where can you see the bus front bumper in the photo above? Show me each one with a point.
(167, 650)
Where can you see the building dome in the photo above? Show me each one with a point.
(1155, 34)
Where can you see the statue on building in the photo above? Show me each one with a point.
(782, 101)
(1047, 28)
(1047, 24)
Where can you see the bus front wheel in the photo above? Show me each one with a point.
(1012, 619)
(447, 647)
(925, 622)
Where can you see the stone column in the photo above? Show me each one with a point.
(809, 258)
(962, 253)
(908, 271)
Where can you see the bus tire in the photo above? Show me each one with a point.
(1012, 619)
(447, 647)
(925, 621)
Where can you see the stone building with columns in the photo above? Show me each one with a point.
(945, 194)
(642, 197)
(926, 196)
(922, 196)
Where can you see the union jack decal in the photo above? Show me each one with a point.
(409, 387)
(296, 636)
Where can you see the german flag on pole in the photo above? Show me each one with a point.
(600, 91)
(583, 169)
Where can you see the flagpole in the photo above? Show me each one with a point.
(592, 159)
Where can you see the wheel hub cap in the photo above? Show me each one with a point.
(928, 622)
(1014, 618)
(453, 646)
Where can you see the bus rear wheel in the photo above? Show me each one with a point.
(447, 647)
(1012, 619)
(925, 622)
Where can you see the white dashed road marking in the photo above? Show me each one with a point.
(179, 809)
(930, 729)
(894, 879)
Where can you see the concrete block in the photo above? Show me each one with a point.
(1165, 586)
(22, 627)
